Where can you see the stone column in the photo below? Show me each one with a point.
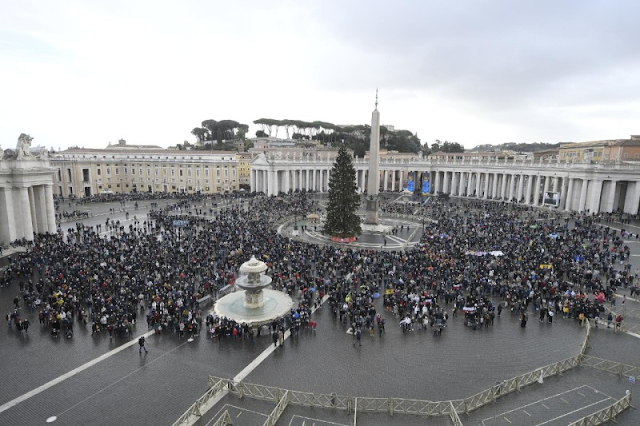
(25, 215)
(583, 196)
(495, 186)
(328, 179)
(512, 185)
(470, 184)
(568, 200)
(385, 185)
(503, 190)
(520, 186)
(252, 180)
(556, 184)
(632, 198)
(536, 192)
(461, 184)
(445, 182)
(7, 220)
(286, 182)
(308, 179)
(393, 180)
(478, 182)
(529, 186)
(273, 183)
(454, 183)
(401, 177)
(437, 183)
(596, 191)
(51, 210)
(40, 205)
(610, 194)
(34, 212)
(547, 181)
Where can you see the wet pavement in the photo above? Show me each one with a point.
(125, 387)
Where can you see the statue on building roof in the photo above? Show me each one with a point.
(23, 148)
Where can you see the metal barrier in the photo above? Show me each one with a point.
(452, 408)
(196, 410)
(514, 384)
(277, 411)
(454, 417)
(405, 406)
(618, 368)
(606, 414)
(224, 420)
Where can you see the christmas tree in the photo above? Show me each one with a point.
(344, 200)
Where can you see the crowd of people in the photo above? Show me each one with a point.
(474, 257)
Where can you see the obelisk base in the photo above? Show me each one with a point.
(372, 205)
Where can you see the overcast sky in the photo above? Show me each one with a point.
(86, 73)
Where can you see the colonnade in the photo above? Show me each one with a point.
(276, 181)
(575, 188)
(25, 211)
(579, 193)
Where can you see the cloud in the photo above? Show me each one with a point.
(86, 73)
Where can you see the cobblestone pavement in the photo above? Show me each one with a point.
(128, 388)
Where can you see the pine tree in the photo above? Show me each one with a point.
(344, 200)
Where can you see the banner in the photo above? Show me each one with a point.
(410, 182)
(425, 183)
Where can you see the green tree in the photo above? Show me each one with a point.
(342, 220)
(200, 133)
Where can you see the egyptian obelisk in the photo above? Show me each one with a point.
(372, 202)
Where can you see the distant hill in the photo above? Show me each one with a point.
(518, 147)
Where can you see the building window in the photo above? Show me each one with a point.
(180, 173)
